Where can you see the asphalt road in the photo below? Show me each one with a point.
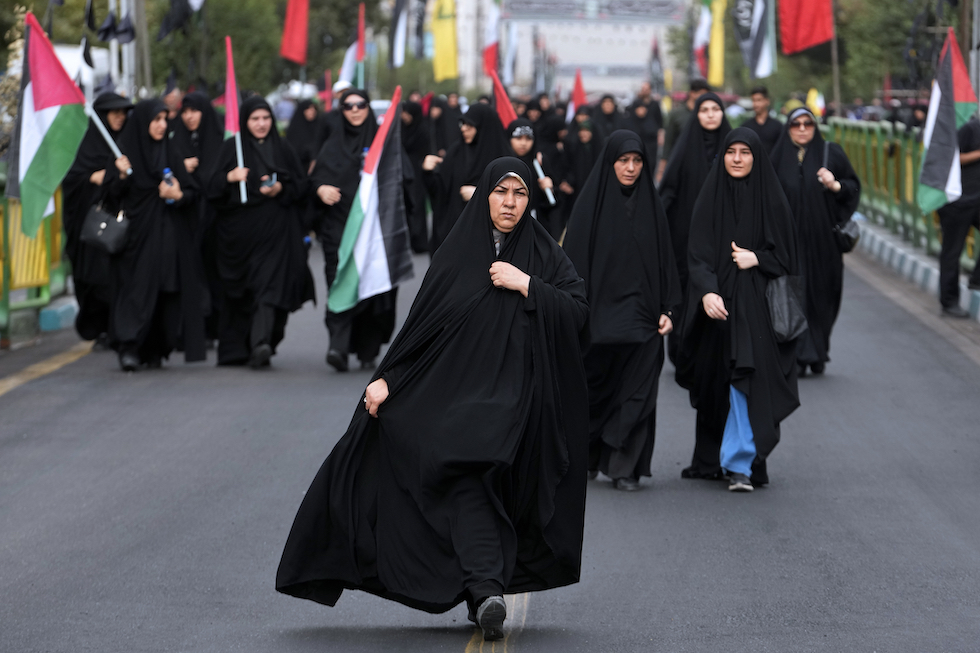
(147, 512)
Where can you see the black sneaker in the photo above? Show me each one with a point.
(490, 616)
(626, 484)
(337, 360)
(818, 368)
(740, 483)
(260, 356)
(955, 311)
(129, 362)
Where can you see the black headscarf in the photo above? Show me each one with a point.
(204, 143)
(93, 151)
(606, 123)
(690, 160)
(489, 143)
(445, 128)
(306, 136)
(475, 359)
(415, 136)
(619, 242)
(523, 127)
(753, 213)
(147, 156)
(343, 150)
(548, 140)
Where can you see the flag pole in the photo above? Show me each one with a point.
(241, 164)
(97, 121)
(835, 63)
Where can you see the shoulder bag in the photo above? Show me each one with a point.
(104, 230)
(784, 295)
(846, 234)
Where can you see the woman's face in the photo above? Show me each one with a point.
(355, 109)
(584, 135)
(158, 126)
(738, 160)
(533, 115)
(406, 118)
(628, 168)
(522, 145)
(309, 113)
(259, 123)
(435, 112)
(508, 201)
(608, 106)
(468, 131)
(710, 115)
(801, 129)
(116, 119)
(640, 111)
(544, 102)
(191, 118)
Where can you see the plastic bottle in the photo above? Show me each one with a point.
(168, 176)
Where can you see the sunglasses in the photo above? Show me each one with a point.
(355, 106)
(802, 124)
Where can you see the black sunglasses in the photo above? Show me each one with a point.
(802, 124)
(355, 106)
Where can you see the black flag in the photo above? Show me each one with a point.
(90, 16)
(126, 33)
(180, 12)
(107, 30)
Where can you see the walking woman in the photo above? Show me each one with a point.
(524, 146)
(158, 285)
(741, 380)
(452, 180)
(462, 474)
(690, 161)
(619, 242)
(417, 143)
(823, 191)
(305, 132)
(261, 255)
(81, 188)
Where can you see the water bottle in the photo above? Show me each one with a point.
(168, 176)
(364, 154)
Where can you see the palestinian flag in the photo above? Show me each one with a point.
(702, 38)
(50, 124)
(374, 251)
(952, 104)
(578, 99)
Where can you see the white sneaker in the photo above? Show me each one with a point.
(740, 483)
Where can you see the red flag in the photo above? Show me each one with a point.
(578, 99)
(360, 32)
(231, 92)
(805, 23)
(295, 32)
(327, 94)
(504, 108)
(427, 103)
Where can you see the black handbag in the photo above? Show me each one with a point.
(104, 230)
(784, 295)
(846, 234)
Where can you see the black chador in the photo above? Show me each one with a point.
(817, 211)
(471, 481)
(690, 160)
(305, 135)
(158, 285)
(463, 165)
(364, 328)
(619, 242)
(417, 143)
(260, 251)
(81, 189)
(541, 209)
(741, 351)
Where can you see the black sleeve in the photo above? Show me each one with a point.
(969, 137)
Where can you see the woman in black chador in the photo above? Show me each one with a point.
(690, 160)
(261, 255)
(742, 381)
(417, 143)
(619, 242)
(451, 182)
(81, 188)
(305, 132)
(823, 191)
(363, 329)
(158, 286)
(470, 481)
(524, 146)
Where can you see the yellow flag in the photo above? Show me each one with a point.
(444, 64)
(716, 47)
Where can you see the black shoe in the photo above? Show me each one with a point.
(129, 362)
(260, 356)
(955, 311)
(692, 472)
(740, 483)
(368, 364)
(593, 474)
(337, 360)
(818, 368)
(490, 616)
(101, 343)
(626, 484)
(154, 363)
(801, 370)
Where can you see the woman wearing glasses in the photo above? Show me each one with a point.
(823, 191)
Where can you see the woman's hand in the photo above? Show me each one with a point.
(466, 192)
(430, 162)
(714, 306)
(375, 395)
(122, 165)
(666, 325)
(826, 177)
(171, 190)
(190, 164)
(270, 191)
(546, 183)
(236, 175)
(744, 258)
(566, 188)
(329, 195)
(505, 275)
(97, 177)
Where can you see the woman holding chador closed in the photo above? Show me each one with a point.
(260, 251)
(823, 191)
(158, 284)
(619, 242)
(462, 474)
(742, 381)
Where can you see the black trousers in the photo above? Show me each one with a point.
(955, 222)
(245, 326)
(161, 337)
(476, 540)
